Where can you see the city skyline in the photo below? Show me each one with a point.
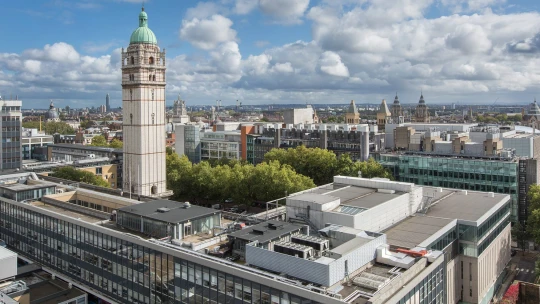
(265, 52)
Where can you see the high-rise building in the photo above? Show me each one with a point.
(10, 158)
(108, 103)
(143, 100)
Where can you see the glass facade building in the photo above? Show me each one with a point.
(128, 269)
(458, 173)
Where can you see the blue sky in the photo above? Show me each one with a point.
(278, 51)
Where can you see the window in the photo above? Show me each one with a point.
(152, 94)
(130, 94)
(151, 60)
(154, 77)
(132, 60)
(131, 122)
(99, 170)
(149, 77)
(153, 118)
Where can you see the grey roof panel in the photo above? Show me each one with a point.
(268, 233)
(176, 214)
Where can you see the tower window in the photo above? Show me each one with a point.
(131, 118)
(149, 77)
(152, 94)
(132, 60)
(131, 94)
(151, 60)
(154, 77)
(153, 118)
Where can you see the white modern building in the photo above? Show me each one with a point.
(31, 139)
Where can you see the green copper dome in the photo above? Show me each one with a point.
(143, 34)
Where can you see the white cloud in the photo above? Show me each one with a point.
(204, 10)
(243, 7)
(330, 63)
(284, 11)
(32, 66)
(60, 52)
(469, 38)
(458, 6)
(363, 50)
(261, 43)
(206, 34)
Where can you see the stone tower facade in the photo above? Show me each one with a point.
(143, 106)
(421, 114)
(382, 115)
(396, 111)
(352, 116)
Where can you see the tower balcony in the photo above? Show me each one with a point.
(145, 82)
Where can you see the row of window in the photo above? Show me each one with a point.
(11, 118)
(122, 270)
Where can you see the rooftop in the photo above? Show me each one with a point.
(66, 212)
(471, 207)
(414, 230)
(170, 211)
(266, 231)
(82, 147)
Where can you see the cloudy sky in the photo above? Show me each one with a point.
(278, 51)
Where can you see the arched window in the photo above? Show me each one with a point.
(154, 77)
(154, 189)
(132, 60)
(149, 77)
(151, 60)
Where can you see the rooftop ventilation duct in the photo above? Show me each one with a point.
(163, 210)
(187, 205)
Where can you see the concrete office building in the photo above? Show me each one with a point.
(32, 139)
(466, 156)
(355, 241)
(10, 158)
(298, 116)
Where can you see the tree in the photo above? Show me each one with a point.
(520, 235)
(99, 141)
(75, 175)
(317, 163)
(53, 127)
(241, 182)
(117, 144)
(32, 124)
(322, 165)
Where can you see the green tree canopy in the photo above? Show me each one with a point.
(99, 141)
(75, 175)
(116, 143)
(243, 183)
(50, 127)
(53, 127)
(322, 165)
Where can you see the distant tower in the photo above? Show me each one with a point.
(107, 103)
(143, 106)
(422, 113)
(382, 115)
(352, 116)
(396, 111)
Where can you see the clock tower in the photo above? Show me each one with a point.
(143, 107)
